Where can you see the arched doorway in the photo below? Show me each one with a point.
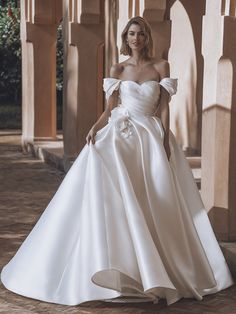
(187, 64)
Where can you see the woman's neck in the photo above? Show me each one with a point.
(138, 58)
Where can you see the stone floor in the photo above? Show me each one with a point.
(26, 186)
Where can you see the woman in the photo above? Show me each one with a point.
(127, 220)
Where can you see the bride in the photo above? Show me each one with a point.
(127, 220)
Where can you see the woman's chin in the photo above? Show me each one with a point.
(137, 48)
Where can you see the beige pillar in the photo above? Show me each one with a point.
(219, 117)
(39, 21)
(111, 50)
(83, 71)
(124, 14)
(187, 64)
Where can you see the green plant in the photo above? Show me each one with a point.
(10, 51)
(59, 59)
(10, 64)
(59, 78)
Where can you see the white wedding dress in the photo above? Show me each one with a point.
(125, 222)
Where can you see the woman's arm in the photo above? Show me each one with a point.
(163, 107)
(111, 103)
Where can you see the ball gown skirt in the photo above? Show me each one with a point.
(125, 221)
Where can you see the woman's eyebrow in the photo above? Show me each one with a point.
(137, 32)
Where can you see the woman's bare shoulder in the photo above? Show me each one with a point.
(162, 67)
(116, 70)
(160, 63)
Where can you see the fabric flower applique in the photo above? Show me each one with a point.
(121, 118)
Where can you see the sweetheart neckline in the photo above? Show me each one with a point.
(140, 84)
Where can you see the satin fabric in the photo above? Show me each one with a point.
(125, 221)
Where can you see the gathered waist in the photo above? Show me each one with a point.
(122, 116)
(126, 110)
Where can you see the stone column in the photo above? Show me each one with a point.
(39, 21)
(111, 51)
(187, 64)
(219, 117)
(123, 15)
(83, 71)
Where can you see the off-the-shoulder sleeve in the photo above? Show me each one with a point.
(170, 84)
(110, 85)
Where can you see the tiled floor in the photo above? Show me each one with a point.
(26, 186)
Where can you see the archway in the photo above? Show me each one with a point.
(187, 64)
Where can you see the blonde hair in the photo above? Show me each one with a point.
(145, 27)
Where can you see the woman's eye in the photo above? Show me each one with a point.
(140, 34)
(133, 34)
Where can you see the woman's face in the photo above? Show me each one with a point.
(136, 37)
